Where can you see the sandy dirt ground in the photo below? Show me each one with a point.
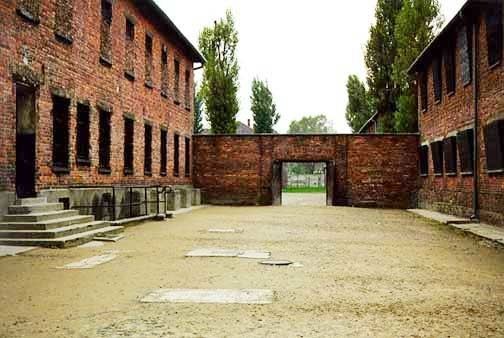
(304, 199)
(366, 273)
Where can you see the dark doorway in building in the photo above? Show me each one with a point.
(25, 141)
(303, 183)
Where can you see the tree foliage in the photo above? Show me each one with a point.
(263, 108)
(416, 24)
(220, 78)
(198, 114)
(360, 103)
(310, 125)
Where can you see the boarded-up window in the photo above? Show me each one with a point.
(129, 145)
(187, 154)
(465, 143)
(29, 9)
(464, 42)
(148, 60)
(449, 64)
(61, 113)
(130, 54)
(494, 145)
(63, 20)
(164, 71)
(423, 91)
(164, 152)
(148, 150)
(176, 154)
(176, 86)
(424, 160)
(450, 155)
(105, 34)
(493, 19)
(437, 79)
(83, 135)
(104, 142)
(187, 90)
(437, 157)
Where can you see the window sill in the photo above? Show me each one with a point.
(83, 162)
(129, 75)
(163, 174)
(149, 84)
(176, 174)
(148, 173)
(105, 61)
(64, 38)
(188, 109)
(438, 174)
(495, 171)
(164, 94)
(451, 174)
(424, 175)
(177, 102)
(128, 172)
(22, 12)
(60, 170)
(467, 83)
(438, 101)
(495, 65)
(104, 171)
(423, 111)
(467, 173)
(450, 94)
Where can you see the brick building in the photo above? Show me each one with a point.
(460, 79)
(92, 92)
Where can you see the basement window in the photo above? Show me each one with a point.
(61, 113)
(493, 19)
(450, 155)
(187, 155)
(130, 55)
(187, 90)
(437, 157)
(105, 34)
(464, 41)
(424, 160)
(129, 145)
(148, 150)
(423, 91)
(164, 71)
(177, 81)
(164, 152)
(465, 143)
(148, 61)
(29, 10)
(104, 140)
(83, 136)
(63, 21)
(438, 79)
(176, 154)
(449, 61)
(494, 145)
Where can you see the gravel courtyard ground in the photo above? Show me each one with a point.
(366, 273)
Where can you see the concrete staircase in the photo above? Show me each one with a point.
(35, 222)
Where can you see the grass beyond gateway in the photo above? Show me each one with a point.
(310, 190)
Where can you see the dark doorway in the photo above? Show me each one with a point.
(303, 183)
(25, 141)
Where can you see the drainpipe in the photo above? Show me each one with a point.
(475, 54)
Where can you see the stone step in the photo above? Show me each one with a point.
(62, 242)
(30, 201)
(40, 217)
(34, 208)
(47, 225)
(53, 233)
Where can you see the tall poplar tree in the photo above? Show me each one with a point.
(198, 114)
(263, 108)
(360, 104)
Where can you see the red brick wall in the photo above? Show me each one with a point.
(453, 194)
(76, 69)
(238, 169)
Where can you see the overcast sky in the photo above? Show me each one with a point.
(305, 50)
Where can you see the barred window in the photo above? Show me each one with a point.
(104, 140)
(148, 150)
(148, 60)
(164, 71)
(61, 113)
(130, 55)
(176, 64)
(63, 20)
(424, 160)
(437, 157)
(83, 135)
(164, 152)
(176, 154)
(129, 145)
(465, 143)
(438, 79)
(465, 53)
(187, 90)
(423, 91)
(450, 155)
(493, 19)
(449, 62)
(187, 154)
(494, 145)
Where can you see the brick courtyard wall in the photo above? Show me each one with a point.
(75, 70)
(382, 169)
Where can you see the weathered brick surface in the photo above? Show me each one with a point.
(453, 194)
(75, 69)
(238, 169)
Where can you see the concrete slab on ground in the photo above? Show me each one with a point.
(208, 296)
(92, 244)
(487, 231)
(8, 250)
(91, 262)
(254, 254)
(440, 217)
(220, 252)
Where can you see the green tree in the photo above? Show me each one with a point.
(198, 114)
(220, 78)
(416, 25)
(381, 52)
(310, 125)
(263, 108)
(360, 104)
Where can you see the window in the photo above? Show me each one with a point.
(465, 142)
(105, 36)
(176, 150)
(437, 157)
(494, 145)
(187, 90)
(423, 91)
(83, 135)
(177, 81)
(164, 152)
(129, 146)
(63, 20)
(450, 155)
(148, 60)
(29, 10)
(130, 55)
(465, 53)
(148, 150)
(449, 62)
(424, 160)
(61, 113)
(104, 142)
(493, 19)
(187, 155)
(164, 71)
(438, 79)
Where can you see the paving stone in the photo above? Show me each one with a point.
(92, 244)
(253, 254)
(488, 232)
(439, 217)
(465, 226)
(92, 262)
(209, 296)
(7, 250)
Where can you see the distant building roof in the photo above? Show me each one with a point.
(243, 129)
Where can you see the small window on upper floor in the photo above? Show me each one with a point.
(29, 10)
(105, 33)
(464, 42)
(465, 143)
(63, 21)
(494, 146)
(187, 90)
(164, 71)
(437, 157)
(450, 155)
(449, 64)
(130, 53)
(424, 160)
(423, 91)
(130, 30)
(148, 60)
(437, 79)
(176, 87)
(493, 20)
